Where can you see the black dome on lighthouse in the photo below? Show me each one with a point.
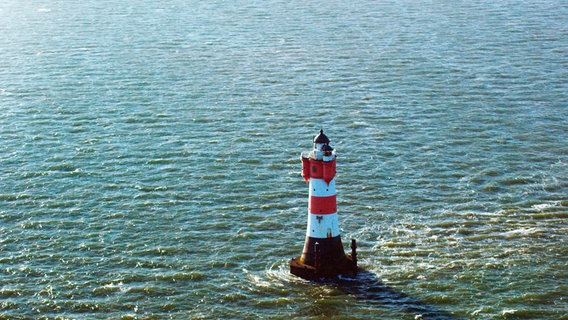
(326, 148)
(321, 138)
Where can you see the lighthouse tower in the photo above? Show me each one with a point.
(323, 255)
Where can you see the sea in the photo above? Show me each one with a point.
(150, 157)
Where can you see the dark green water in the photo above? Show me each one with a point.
(149, 157)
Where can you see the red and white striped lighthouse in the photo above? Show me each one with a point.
(323, 254)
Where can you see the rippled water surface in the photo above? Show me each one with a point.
(149, 157)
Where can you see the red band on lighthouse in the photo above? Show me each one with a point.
(328, 171)
(323, 205)
(318, 169)
(306, 169)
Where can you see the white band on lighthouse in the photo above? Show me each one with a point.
(319, 188)
(323, 226)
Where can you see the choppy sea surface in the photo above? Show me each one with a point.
(149, 157)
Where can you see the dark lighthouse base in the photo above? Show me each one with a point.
(317, 268)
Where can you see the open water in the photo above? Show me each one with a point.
(149, 157)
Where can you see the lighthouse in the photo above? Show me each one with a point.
(323, 255)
